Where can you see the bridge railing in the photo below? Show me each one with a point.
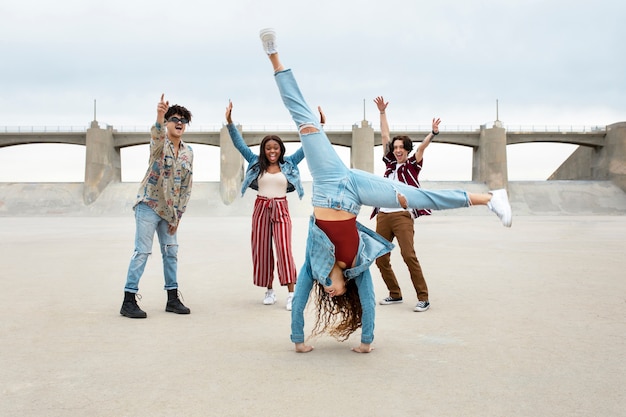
(42, 129)
(329, 127)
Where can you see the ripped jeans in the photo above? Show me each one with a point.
(335, 185)
(147, 222)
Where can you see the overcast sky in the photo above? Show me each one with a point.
(547, 63)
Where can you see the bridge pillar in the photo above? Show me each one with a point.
(612, 157)
(607, 163)
(489, 164)
(231, 168)
(103, 163)
(362, 152)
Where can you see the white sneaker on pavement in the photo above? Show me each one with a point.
(500, 205)
(289, 301)
(268, 37)
(270, 298)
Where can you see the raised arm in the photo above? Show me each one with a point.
(419, 153)
(229, 113)
(236, 137)
(384, 125)
(162, 108)
(158, 129)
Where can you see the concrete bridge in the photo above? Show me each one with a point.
(601, 154)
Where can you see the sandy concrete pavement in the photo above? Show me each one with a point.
(527, 321)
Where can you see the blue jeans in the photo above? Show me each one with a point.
(147, 222)
(335, 185)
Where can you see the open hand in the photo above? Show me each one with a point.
(380, 103)
(229, 110)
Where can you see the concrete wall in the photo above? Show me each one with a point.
(598, 164)
(527, 198)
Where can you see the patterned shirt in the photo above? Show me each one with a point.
(166, 187)
(407, 173)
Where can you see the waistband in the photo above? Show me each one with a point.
(260, 197)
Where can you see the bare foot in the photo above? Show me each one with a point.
(302, 348)
(363, 348)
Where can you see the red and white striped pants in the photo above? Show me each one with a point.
(271, 220)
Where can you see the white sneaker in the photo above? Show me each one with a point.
(289, 301)
(268, 37)
(270, 298)
(499, 204)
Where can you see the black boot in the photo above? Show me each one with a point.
(173, 303)
(130, 307)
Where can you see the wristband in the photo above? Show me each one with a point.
(433, 132)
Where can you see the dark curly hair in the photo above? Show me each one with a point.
(263, 161)
(339, 316)
(180, 110)
(407, 143)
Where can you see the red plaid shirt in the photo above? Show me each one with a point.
(407, 173)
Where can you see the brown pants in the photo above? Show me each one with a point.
(400, 225)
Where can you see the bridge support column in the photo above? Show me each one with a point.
(607, 163)
(103, 163)
(612, 157)
(489, 163)
(231, 168)
(362, 152)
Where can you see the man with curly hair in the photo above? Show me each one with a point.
(161, 202)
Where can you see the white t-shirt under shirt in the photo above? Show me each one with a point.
(272, 185)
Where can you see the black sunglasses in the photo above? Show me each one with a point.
(175, 119)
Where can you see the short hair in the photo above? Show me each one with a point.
(407, 143)
(176, 109)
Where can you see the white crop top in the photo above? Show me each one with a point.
(272, 185)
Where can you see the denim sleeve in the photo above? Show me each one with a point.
(368, 304)
(240, 144)
(300, 298)
(298, 156)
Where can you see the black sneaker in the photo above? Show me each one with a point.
(391, 300)
(422, 306)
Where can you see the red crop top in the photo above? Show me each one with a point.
(345, 237)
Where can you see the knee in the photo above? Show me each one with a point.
(170, 250)
(402, 200)
(308, 128)
(142, 256)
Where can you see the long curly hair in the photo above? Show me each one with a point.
(339, 316)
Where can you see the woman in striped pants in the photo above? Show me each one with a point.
(272, 174)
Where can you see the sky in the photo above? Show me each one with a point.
(547, 64)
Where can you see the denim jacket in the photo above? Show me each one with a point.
(319, 260)
(289, 168)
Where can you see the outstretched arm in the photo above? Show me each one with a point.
(162, 108)
(384, 125)
(158, 130)
(236, 137)
(419, 153)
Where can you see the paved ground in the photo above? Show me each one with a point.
(527, 321)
